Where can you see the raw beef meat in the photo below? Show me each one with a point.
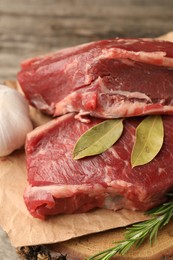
(59, 184)
(107, 79)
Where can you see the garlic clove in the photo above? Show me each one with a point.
(15, 122)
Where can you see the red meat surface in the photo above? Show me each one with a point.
(59, 184)
(107, 79)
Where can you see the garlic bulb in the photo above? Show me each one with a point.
(14, 120)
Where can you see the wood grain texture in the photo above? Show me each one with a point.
(81, 248)
(29, 28)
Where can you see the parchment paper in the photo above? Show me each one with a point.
(23, 229)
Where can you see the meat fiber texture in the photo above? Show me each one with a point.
(107, 79)
(60, 184)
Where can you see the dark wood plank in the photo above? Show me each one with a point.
(29, 28)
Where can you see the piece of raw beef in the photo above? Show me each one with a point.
(58, 184)
(107, 79)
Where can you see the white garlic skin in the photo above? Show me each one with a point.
(15, 122)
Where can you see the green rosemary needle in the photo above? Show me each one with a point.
(137, 233)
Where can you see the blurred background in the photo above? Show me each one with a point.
(29, 28)
(33, 27)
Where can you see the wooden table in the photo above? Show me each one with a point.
(32, 27)
(29, 28)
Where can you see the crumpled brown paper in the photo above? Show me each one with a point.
(23, 229)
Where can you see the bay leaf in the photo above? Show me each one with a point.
(98, 138)
(149, 140)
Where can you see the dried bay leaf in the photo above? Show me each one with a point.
(98, 138)
(149, 140)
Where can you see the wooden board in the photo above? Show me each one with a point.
(80, 248)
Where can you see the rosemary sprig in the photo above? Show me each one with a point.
(137, 233)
